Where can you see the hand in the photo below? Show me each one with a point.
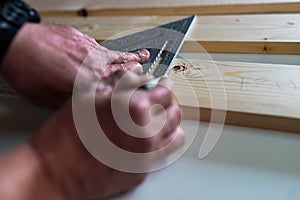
(43, 60)
(75, 172)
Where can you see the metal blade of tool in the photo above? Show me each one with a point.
(163, 42)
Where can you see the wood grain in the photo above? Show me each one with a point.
(250, 94)
(255, 95)
(166, 7)
(263, 34)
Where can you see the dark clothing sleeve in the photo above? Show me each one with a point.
(3, 1)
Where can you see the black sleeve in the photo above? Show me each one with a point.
(13, 14)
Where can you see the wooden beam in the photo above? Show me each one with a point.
(263, 34)
(166, 7)
(255, 95)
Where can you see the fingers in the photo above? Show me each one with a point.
(129, 66)
(162, 94)
(123, 80)
(137, 56)
(171, 137)
(171, 119)
(172, 143)
(102, 62)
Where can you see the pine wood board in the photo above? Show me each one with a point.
(257, 95)
(263, 34)
(166, 7)
(250, 94)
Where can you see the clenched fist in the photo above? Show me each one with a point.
(56, 164)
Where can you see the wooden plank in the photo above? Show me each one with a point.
(257, 95)
(199, 10)
(166, 7)
(263, 34)
(254, 95)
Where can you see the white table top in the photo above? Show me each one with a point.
(245, 164)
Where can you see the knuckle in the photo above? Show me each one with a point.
(61, 26)
(102, 48)
(137, 64)
(164, 91)
(139, 109)
(70, 29)
(177, 111)
(124, 57)
(142, 106)
(139, 102)
(137, 56)
(176, 115)
(89, 38)
(133, 66)
(168, 92)
(86, 49)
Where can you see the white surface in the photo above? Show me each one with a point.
(245, 164)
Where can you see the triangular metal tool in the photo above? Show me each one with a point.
(163, 42)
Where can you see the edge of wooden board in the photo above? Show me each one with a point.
(288, 7)
(245, 47)
(251, 120)
(274, 34)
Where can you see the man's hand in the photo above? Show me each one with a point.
(43, 60)
(75, 173)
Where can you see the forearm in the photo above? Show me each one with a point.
(22, 177)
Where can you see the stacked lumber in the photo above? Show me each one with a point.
(271, 34)
(166, 7)
(257, 95)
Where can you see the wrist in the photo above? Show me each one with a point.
(23, 177)
(17, 45)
